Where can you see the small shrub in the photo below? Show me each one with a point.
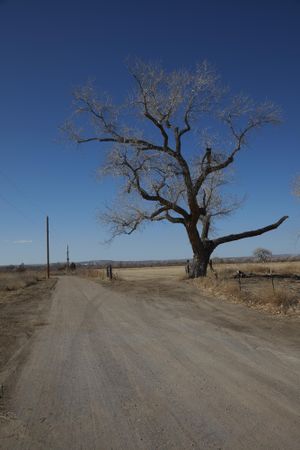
(280, 298)
(21, 268)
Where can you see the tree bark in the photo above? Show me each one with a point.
(202, 251)
(199, 264)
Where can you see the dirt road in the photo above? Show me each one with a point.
(114, 370)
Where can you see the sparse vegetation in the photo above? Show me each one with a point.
(92, 273)
(23, 300)
(274, 286)
(11, 281)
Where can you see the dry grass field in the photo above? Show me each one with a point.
(281, 268)
(137, 273)
(12, 281)
(273, 287)
(150, 273)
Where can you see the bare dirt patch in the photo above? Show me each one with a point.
(143, 367)
(272, 287)
(23, 307)
(169, 290)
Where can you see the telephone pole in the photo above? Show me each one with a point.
(68, 259)
(47, 245)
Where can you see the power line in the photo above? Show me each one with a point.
(22, 192)
(9, 203)
(37, 207)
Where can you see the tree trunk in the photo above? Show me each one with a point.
(199, 264)
(202, 252)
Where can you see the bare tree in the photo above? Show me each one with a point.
(168, 173)
(296, 186)
(262, 254)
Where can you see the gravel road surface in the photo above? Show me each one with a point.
(111, 370)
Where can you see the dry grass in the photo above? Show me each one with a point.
(96, 274)
(147, 273)
(277, 295)
(12, 281)
(137, 273)
(280, 268)
(281, 296)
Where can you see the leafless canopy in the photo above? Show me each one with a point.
(176, 173)
(296, 186)
(262, 254)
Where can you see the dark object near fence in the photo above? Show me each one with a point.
(239, 274)
(21, 268)
(187, 267)
(109, 273)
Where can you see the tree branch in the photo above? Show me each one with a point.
(150, 197)
(258, 116)
(141, 143)
(247, 234)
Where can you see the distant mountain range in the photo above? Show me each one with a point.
(99, 263)
(177, 262)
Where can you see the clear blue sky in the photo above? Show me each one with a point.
(48, 47)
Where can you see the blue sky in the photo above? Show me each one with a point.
(48, 47)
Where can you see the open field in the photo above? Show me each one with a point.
(150, 273)
(224, 270)
(273, 287)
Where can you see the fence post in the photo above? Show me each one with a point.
(272, 279)
(239, 279)
(109, 271)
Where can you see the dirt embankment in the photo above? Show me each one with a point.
(23, 308)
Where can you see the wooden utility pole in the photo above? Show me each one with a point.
(47, 240)
(68, 259)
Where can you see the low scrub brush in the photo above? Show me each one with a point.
(278, 299)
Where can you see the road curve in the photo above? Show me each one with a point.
(112, 371)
